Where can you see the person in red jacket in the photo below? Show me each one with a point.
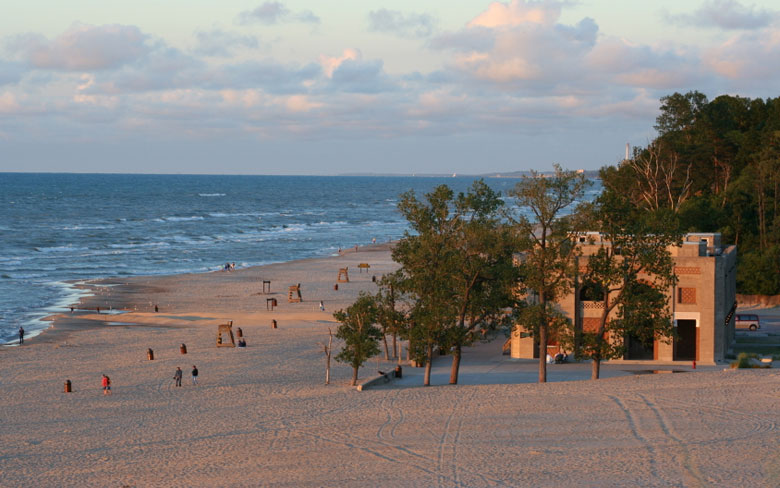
(106, 385)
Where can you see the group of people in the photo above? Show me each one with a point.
(178, 375)
(230, 266)
(559, 358)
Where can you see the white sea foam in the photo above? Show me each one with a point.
(211, 194)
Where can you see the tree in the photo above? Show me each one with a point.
(482, 274)
(389, 318)
(630, 274)
(547, 267)
(457, 267)
(424, 255)
(357, 330)
(327, 349)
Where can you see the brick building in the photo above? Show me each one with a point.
(702, 303)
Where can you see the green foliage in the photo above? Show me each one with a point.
(632, 273)
(717, 164)
(548, 265)
(745, 361)
(357, 330)
(456, 265)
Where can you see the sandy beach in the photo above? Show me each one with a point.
(262, 415)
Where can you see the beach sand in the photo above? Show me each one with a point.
(262, 416)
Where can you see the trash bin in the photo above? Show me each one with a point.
(150, 354)
(68, 388)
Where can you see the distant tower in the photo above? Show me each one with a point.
(628, 149)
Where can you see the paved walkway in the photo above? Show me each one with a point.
(484, 364)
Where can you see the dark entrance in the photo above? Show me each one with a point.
(685, 342)
(637, 348)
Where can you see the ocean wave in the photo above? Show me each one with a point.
(139, 245)
(87, 227)
(239, 214)
(59, 249)
(211, 194)
(178, 219)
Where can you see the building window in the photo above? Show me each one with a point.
(686, 295)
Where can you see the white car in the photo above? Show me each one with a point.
(748, 321)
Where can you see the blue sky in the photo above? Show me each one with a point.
(304, 87)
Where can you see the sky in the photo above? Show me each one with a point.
(361, 86)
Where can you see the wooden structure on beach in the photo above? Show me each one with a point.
(363, 266)
(294, 294)
(343, 275)
(226, 329)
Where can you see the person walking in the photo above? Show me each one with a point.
(177, 376)
(21, 336)
(322, 306)
(106, 385)
(194, 375)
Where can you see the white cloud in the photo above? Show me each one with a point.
(8, 103)
(83, 48)
(401, 24)
(217, 42)
(752, 57)
(727, 15)
(276, 13)
(518, 12)
(329, 64)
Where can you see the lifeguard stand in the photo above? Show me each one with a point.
(294, 295)
(225, 329)
(343, 275)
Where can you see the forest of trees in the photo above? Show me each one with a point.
(716, 166)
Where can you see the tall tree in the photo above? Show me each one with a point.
(424, 254)
(457, 266)
(357, 330)
(482, 272)
(389, 318)
(630, 274)
(547, 267)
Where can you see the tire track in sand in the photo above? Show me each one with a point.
(687, 458)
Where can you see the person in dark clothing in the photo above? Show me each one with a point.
(194, 375)
(177, 376)
(21, 336)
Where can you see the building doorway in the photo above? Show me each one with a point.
(638, 349)
(685, 342)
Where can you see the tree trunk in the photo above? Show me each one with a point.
(354, 376)
(543, 353)
(409, 350)
(455, 365)
(543, 341)
(395, 346)
(595, 369)
(387, 351)
(428, 362)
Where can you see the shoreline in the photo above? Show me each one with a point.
(131, 298)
